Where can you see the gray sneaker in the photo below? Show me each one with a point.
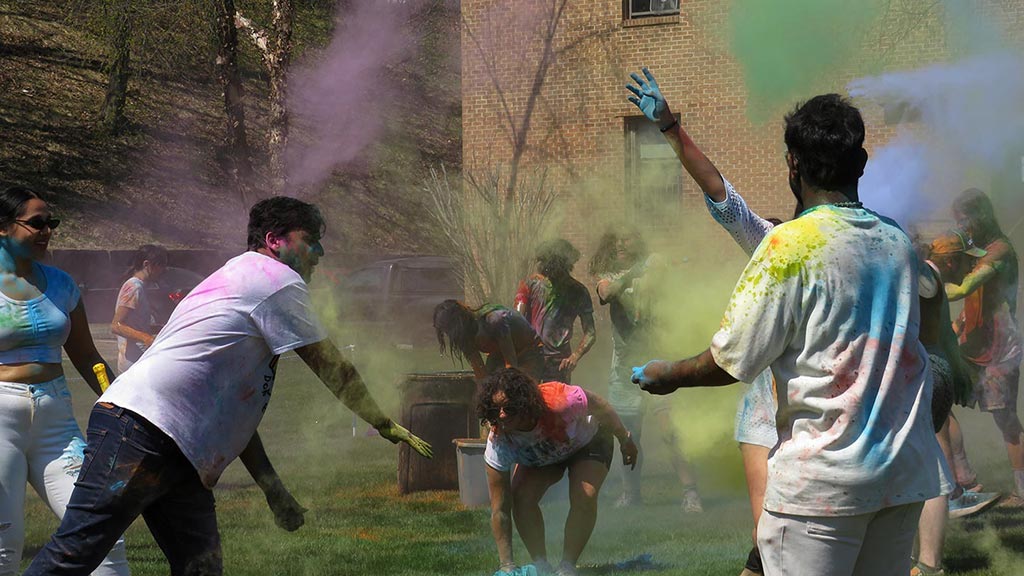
(971, 503)
(691, 502)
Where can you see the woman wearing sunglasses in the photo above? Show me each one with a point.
(40, 313)
(538, 432)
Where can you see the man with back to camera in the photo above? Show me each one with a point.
(828, 301)
(163, 433)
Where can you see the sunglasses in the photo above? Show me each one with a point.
(37, 223)
(494, 413)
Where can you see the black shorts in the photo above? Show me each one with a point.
(601, 449)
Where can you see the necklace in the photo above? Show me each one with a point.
(848, 204)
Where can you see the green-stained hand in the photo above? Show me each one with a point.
(288, 513)
(395, 433)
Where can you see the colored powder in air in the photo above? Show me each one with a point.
(791, 49)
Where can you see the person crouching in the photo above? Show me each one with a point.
(537, 433)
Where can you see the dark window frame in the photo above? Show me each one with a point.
(628, 12)
(651, 183)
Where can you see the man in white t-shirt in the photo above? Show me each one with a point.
(829, 303)
(165, 430)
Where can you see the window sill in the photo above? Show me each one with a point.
(651, 21)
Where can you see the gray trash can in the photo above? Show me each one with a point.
(472, 471)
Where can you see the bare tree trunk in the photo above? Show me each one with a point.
(276, 49)
(234, 105)
(278, 58)
(112, 113)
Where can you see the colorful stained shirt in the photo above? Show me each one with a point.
(208, 377)
(139, 317)
(565, 427)
(496, 322)
(552, 310)
(829, 301)
(755, 415)
(987, 325)
(733, 214)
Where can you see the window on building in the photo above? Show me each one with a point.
(654, 179)
(646, 8)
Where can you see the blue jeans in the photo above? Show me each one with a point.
(133, 468)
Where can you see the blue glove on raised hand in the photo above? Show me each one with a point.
(650, 377)
(648, 96)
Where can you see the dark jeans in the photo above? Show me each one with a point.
(133, 468)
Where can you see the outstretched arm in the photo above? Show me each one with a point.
(649, 99)
(342, 379)
(661, 377)
(971, 282)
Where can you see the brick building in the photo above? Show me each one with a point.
(543, 81)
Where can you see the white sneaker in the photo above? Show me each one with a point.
(566, 569)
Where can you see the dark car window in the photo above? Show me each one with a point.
(428, 281)
(367, 280)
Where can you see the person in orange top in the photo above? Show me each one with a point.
(538, 432)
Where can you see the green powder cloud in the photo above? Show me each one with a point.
(791, 49)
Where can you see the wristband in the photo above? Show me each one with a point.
(670, 126)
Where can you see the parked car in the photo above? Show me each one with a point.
(165, 294)
(394, 299)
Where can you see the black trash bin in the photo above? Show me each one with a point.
(438, 407)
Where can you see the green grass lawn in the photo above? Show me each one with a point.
(359, 524)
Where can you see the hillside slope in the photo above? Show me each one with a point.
(163, 179)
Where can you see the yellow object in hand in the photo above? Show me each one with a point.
(101, 376)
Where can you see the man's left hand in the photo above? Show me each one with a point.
(396, 433)
(288, 513)
(651, 377)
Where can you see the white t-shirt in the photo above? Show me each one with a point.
(565, 427)
(208, 377)
(829, 301)
(133, 297)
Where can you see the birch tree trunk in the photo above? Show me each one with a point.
(234, 105)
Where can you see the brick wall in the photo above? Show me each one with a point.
(577, 123)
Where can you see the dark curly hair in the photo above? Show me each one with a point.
(556, 257)
(281, 215)
(456, 325)
(825, 135)
(521, 395)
